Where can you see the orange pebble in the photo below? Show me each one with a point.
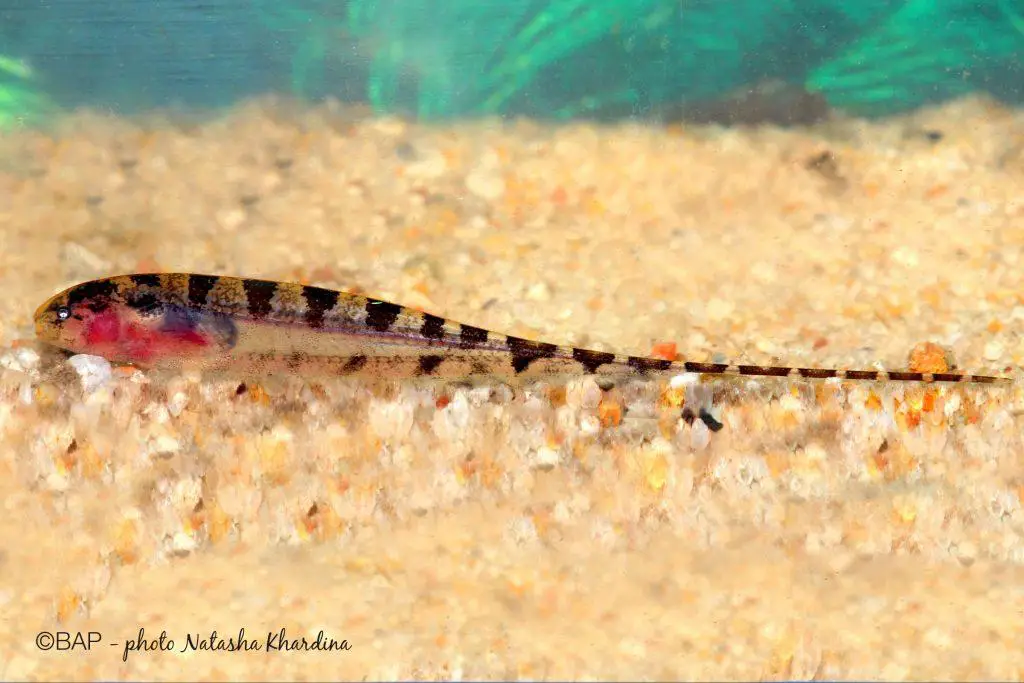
(928, 357)
(609, 412)
(258, 394)
(928, 401)
(873, 402)
(665, 351)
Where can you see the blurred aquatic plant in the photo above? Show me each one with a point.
(323, 43)
(21, 102)
(612, 58)
(924, 52)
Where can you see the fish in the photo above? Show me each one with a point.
(225, 323)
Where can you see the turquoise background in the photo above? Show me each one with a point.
(552, 59)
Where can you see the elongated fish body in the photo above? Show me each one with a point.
(264, 327)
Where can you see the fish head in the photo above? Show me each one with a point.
(83, 318)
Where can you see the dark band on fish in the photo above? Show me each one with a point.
(91, 291)
(526, 351)
(259, 295)
(706, 368)
(428, 364)
(145, 301)
(899, 376)
(296, 360)
(764, 371)
(381, 315)
(817, 373)
(145, 280)
(470, 337)
(318, 302)
(592, 360)
(353, 364)
(432, 327)
(647, 365)
(860, 374)
(199, 287)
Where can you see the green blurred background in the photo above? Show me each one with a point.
(551, 59)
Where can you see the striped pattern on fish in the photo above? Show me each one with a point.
(222, 322)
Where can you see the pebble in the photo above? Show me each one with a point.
(545, 458)
(719, 309)
(538, 291)
(905, 257)
(590, 425)
(389, 126)
(182, 543)
(431, 165)
(230, 219)
(93, 371)
(700, 435)
(176, 403)
(165, 445)
(20, 360)
(485, 184)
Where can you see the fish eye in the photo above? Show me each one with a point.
(63, 313)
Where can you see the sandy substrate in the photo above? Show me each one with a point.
(828, 531)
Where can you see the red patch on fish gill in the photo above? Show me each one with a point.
(123, 336)
(102, 329)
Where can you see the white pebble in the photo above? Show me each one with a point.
(157, 412)
(590, 425)
(21, 360)
(56, 481)
(166, 445)
(485, 184)
(182, 543)
(993, 350)
(432, 164)
(93, 371)
(684, 380)
(539, 291)
(28, 357)
(545, 458)
(177, 403)
(389, 126)
(905, 256)
(700, 435)
(230, 219)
